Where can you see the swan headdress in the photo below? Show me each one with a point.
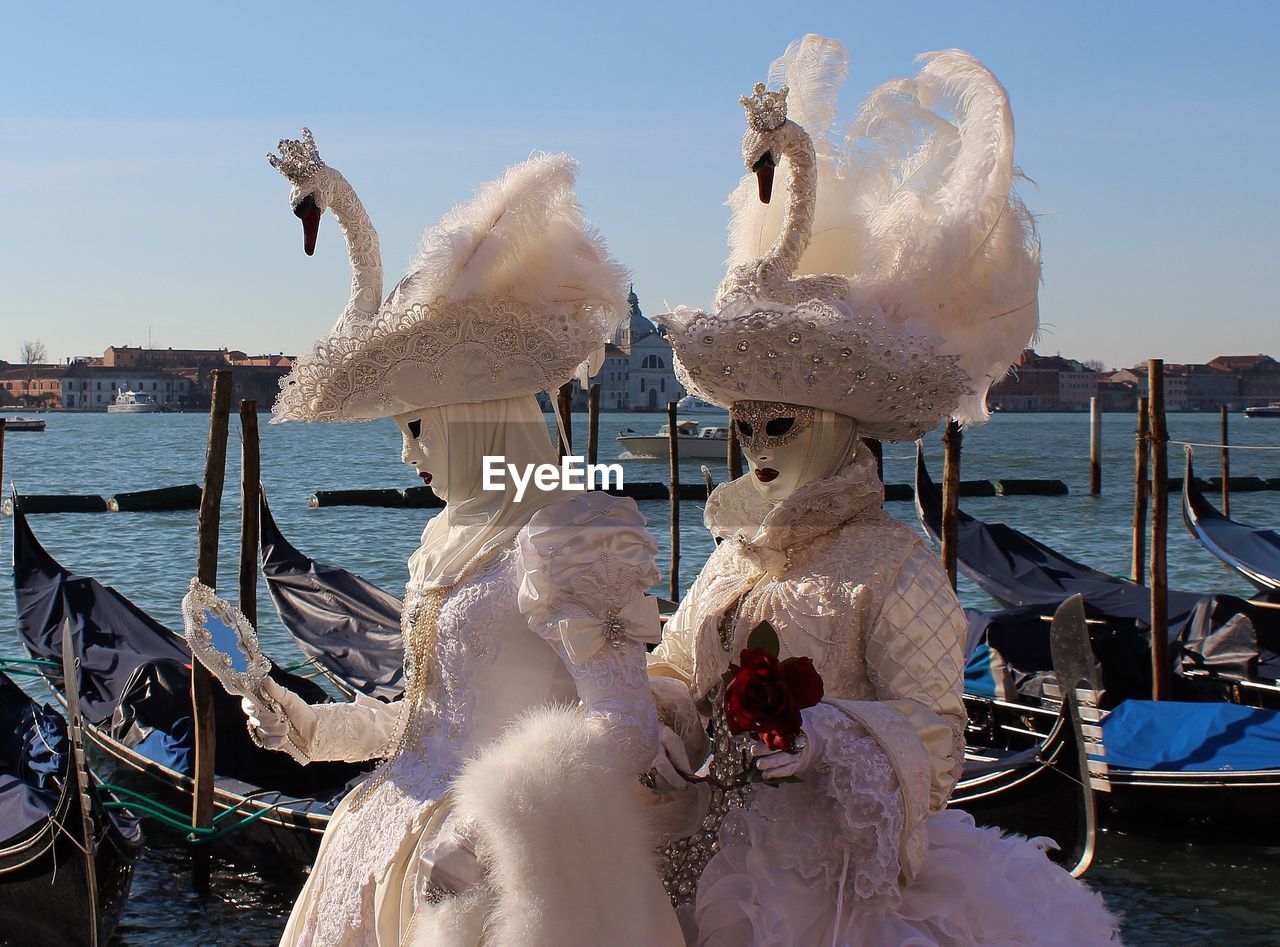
(898, 282)
(509, 294)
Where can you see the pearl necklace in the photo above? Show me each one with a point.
(420, 641)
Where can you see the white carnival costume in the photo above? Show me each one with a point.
(506, 808)
(926, 291)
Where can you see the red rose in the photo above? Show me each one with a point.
(764, 696)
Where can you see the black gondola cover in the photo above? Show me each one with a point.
(1018, 571)
(136, 673)
(33, 762)
(1253, 552)
(348, 625)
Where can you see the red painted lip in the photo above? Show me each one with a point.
(766, 474)
(425, 475)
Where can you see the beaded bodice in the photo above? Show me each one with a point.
(483, 646)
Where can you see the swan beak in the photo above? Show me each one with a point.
(763, 169)
(310, 215)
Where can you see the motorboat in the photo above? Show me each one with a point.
(133, 402)
(1263, 411)
(693, 405)
(695, 442)
(24, 424)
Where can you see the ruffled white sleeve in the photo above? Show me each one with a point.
(915, 659)
(350, 732)
(585, 565)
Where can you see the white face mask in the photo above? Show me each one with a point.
(423, 449)
(788, 445)
(776, 439)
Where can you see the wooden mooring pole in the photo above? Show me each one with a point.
(564, 409)
(734, 460)
(593, 424)
(1159, 533)
(2, 420)
(1141, 489)
(673, 449)
(207, 521)
(1095, 447)
(951, 442)
(1226, 466)
(250, 489)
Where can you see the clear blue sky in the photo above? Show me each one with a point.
(135, 196)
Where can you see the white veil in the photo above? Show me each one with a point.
(476, 520)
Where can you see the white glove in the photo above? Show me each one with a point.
(671, 771)
(450, 862)
(272, 728)
(779, 764)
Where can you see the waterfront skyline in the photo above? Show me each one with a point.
(138, 202)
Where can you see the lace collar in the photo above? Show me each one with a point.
(766, 531)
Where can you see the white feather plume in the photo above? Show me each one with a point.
(521, 237)
(916, 206)
(813, 68)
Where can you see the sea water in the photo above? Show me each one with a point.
(1168, 892)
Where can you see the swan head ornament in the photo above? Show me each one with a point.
(768, 131)
(510, 293)
(300, 163)
(899, 278)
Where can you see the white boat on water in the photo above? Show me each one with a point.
(133, 402)
(691, 405)
(1264, 411)
(708, 443)
(24, 424)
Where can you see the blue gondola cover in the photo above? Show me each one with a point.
(1173, 736)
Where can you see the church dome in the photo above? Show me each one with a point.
(639, 325)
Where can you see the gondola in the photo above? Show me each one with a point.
(1216, 641)
(1018, 571)
(135, 699)
(1208, 769)
(1045, 786)
(345, 624)
(44, 887)
(1211, 756)
(1253, 552)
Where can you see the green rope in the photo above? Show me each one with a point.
(177, 820)
(32, 666)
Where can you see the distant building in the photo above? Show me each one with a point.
(94, 387)
(638, 373)
(32, 386)
(1115, 394)
(1206, 387)
(1259, 377)
(1032, 385)
(613, 379)
(135, 356)
(1077, 384)
(651, 377)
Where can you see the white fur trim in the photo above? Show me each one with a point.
(564, 837)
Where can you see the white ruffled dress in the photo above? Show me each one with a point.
(529, 629)
(861, 851)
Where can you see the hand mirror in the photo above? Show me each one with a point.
(222, 639)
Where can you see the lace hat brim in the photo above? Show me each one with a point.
(445, 353)
(817, 353)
